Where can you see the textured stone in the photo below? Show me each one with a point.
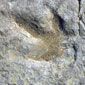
(42, 42)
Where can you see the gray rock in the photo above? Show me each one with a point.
(42, 42)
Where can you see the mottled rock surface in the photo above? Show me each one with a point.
(42, 42)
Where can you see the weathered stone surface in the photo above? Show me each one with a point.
(82, 18)
(27, 72)
(42, 42)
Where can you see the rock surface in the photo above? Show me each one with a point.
(42, 42)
